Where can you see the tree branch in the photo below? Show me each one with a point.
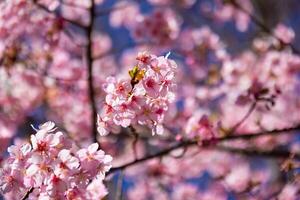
(27, 194)
(205, 143)
(156, 155)
(275, 153)
(72, 4)
(119, 189)
(107, 11)
(265, 28)
(120, 50)
(35, 2)
(89, 57)
(237, 125)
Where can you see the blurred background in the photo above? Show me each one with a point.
(230, 54)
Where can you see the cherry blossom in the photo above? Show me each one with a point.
(192, 99)
(53, 167)
(142, 98)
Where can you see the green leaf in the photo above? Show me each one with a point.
(133, 72)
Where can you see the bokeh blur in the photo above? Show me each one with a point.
(237, 75)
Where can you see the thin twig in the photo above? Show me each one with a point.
(120, 50)
(265, 28)
(119, 189)
(239, 123)
(156, 155)
(35, 2)
(72, 4)
(107, 11)
(72, 37)
(135, 141)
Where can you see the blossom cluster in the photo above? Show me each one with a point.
(224, 11)
(162, 27)
(223, 87)
(202, 49)
(200, 127)
(51, 166)
(141, 98)
(182, 3)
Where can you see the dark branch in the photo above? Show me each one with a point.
(107, 11)
(237, 125)
(205, 143)
(263, 133)
(27, 194)
(156, 155)
(71, 4)
(89, 57)
(120, 50)
(119, 190)
(35, 2)
(275, 153)
(261, 25)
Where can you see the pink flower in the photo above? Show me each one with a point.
(199, 127)
(51, 169)
(145, 115)
(141, 99)
(151, 86)
(38, 171)
(161, 26)
(239, 178)
(123, 115)
(285, 33)
(55, 186)
(117, 91)
(19, 155)
(126, 16)
(136, 101)
(92, 159)
(66, 164)
(105, 127)
(185, 191)
(144, 57)
(42, 141)
(183, 3)
(223, 12)
(289, 192)
(75, 193)
(96, 190)
(10, 179)
(48, 127)
(158, 129)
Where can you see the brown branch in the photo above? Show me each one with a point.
(156, 155)
(89, 57)
(262, 133)
(135, 141)
(27, 194)
(35, 2)
(275, 153)
(120, 50)
(205, 143)
(69, 33)
(72, 4)
(237, 125)
(107, 11)
(119, 190)
(261, 25)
